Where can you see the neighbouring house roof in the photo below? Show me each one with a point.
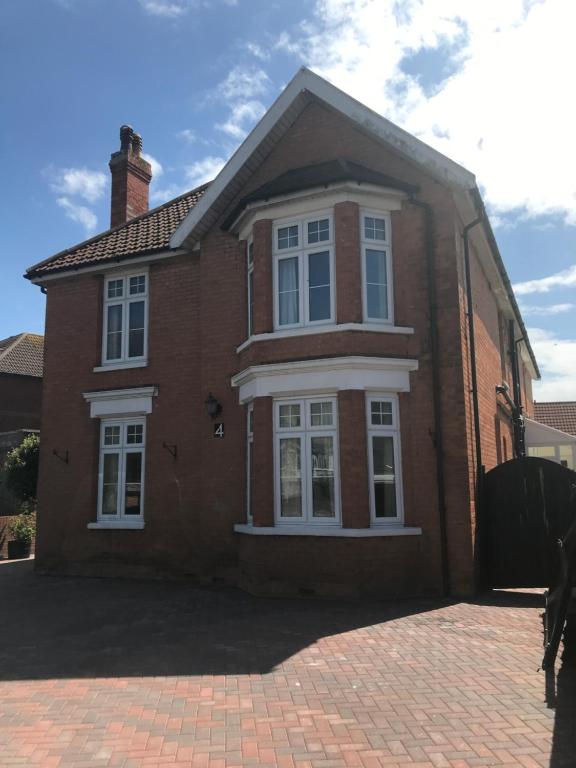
(559, 415)
(22, 355)
(146, 234)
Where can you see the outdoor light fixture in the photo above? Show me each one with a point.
(213, 407)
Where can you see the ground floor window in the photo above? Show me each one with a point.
(121, 473)
(384, 459)
(306, 460)
(249, 461)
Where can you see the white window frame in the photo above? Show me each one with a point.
(302, 251)
(377, 245)
(250, 289)
(123, 449)
(385, 430)
(305, 432)
(249, 444)
(125, 302)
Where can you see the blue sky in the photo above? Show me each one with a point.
(487, 84)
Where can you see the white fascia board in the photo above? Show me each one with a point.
(120, 402)
(323, 376)
(542, 434)
(124, 264)
(381, 128)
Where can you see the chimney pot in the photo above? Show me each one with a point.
(126, 134)
(136, 144)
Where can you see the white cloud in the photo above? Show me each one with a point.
(79, 214)
(170, 9)
(241, 118)
(157, 169)
(204, 170)
(188, 135)
(506, 112)
(550, 310)
(564, 279)
(243, 83)
(557, 360)
(81, 182)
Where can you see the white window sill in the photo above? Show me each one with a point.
(312, 330)
(117, 525)
(120, 366)
(326, 530)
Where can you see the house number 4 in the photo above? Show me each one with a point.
(219, 430)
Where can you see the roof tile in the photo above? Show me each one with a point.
(22, 355)
(560, 415)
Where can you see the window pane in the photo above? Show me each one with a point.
(374, 229)
(133, 487)
(110, 484)
(290, 477)
(376, 284)
(321, 414)
(384, 476)
(322, 457)
(114, 335)
(112, 435)
(381, 413)
(250, 478)
(137, 285)
(115, 289)
(288, 237)
(319, 286)
(134, 433)
(289, 415)
(136, 329)
(250, 254)
(318, 231)
(288, 292)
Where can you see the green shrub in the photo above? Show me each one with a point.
(21, 469)
(23, 527)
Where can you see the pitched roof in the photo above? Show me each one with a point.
(560, 415)
(148, 233)
(22, 355)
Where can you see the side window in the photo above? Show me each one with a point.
(375, 244)
(250, 298)
(125, 332)
(384, 459)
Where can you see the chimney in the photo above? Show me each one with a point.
(131, 176)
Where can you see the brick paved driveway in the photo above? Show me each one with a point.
(112, 673)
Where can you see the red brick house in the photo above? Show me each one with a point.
(275, 378)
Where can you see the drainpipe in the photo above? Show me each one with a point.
(437, 405)
(472, 341)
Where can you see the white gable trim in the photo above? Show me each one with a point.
(382, 374)
(381, 128)
(542, 434)
(120, 402)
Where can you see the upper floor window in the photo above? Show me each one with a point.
(375, 244)
(250, 269)
(125, 332)
(304, 272)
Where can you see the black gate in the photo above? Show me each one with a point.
(528, 504)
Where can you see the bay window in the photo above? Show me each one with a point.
(125, 332)
(306, 460)
(384, 459)
(304, 272)
(250, 270)
(375, 244)
(121, 473)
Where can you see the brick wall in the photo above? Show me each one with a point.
(20, 402)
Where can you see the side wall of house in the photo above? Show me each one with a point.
(20, 402)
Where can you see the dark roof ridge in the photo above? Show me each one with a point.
(109, 231)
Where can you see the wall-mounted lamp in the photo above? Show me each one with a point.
(213, 407)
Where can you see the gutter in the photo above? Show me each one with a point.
(437, 403)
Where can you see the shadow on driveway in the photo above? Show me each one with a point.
(66, 627)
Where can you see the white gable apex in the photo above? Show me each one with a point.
(275, 122)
